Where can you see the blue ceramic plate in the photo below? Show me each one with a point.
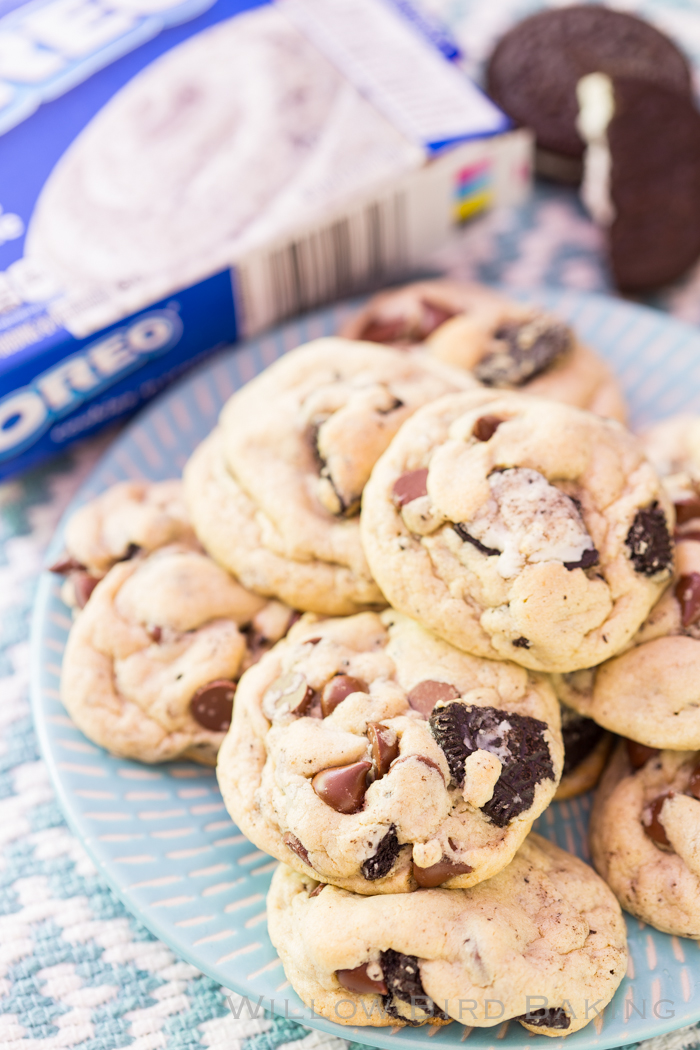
(161, 836)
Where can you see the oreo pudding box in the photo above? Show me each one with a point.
(176, 175)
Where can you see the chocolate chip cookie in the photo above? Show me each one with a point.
(368, 753)
(539, 943)
(645, 835)
(151, 663)
(130, 519)
(275, 493)
(519, 528)
(501, 343)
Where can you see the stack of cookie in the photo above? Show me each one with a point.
(405, 550)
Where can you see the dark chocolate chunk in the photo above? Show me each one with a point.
(335, 691)
(686, 510)
(293, 843)
(343, 787)
(425, 695)
(587, 559)
(410, 486)
(534, 69)
(83, 586)
(517, 740)
(212, 705)
(523, 350)
(385, 747)
(381, 863)
(522, 642)
(485, 427)
(66, 564)
(548, 1017)
(580, 736)
(639, 754)
(688, 595)
(461, 531)
(652, 822)
(649, 541)
(438, 873)
(358, 980)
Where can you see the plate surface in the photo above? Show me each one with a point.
(161, 836)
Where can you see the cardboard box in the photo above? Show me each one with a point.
(176, 175)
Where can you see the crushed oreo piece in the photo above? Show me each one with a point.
(402, 978)
(382, 862)
(461, 531)
(551, 1017)
(580, 736)
(649, 541)
(586, 561)
(523, 350)
(517, 740)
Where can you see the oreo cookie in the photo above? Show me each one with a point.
(534, 69)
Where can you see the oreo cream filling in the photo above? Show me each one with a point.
(596, 107)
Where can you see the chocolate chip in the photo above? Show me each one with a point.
(688, 595)
(83, 586)
(690, 534)
(486, 427)
(639, 754)
(335, 691)
(402, 329)
(385, 747)
(522, 642)
(694, 783)
(424, 760)
(321, 886)
(212, 705)
(343, 787)
(687, 509)
(293, 843)
(523, 350)
(425, 695)
(131, 551)
(432, 316)
(517, 740)
(580, 736)
(66, 564)
(358, 980)
(652, 823)
(438, 873)
(393, 330)
(289, 693)
(410, 486)
(550, 1017)
(155, 632)
(461, 531)
(649, 541)
(382, 861)
(587, 559)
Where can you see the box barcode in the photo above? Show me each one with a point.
(341, 258)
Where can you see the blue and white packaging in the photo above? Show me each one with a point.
(174, 175)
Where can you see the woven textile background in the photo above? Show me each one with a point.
(75, 969)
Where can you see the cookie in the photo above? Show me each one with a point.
(274, 494)
(538, 943)
(519, 528)
(501, 343)
(642, 177)
(645, 835)
(586, 749)
(535, 67)
(130, 519)
(673, 448)
(368, 753)
(150, 667)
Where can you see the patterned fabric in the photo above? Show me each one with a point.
(76, 970)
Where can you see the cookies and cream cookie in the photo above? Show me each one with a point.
(501, 343)
(368, 753)
(275, 492)
(130, 519)
(586, 749)
(645, 835)
(519, 528)
(151, 663)
(538, 943)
